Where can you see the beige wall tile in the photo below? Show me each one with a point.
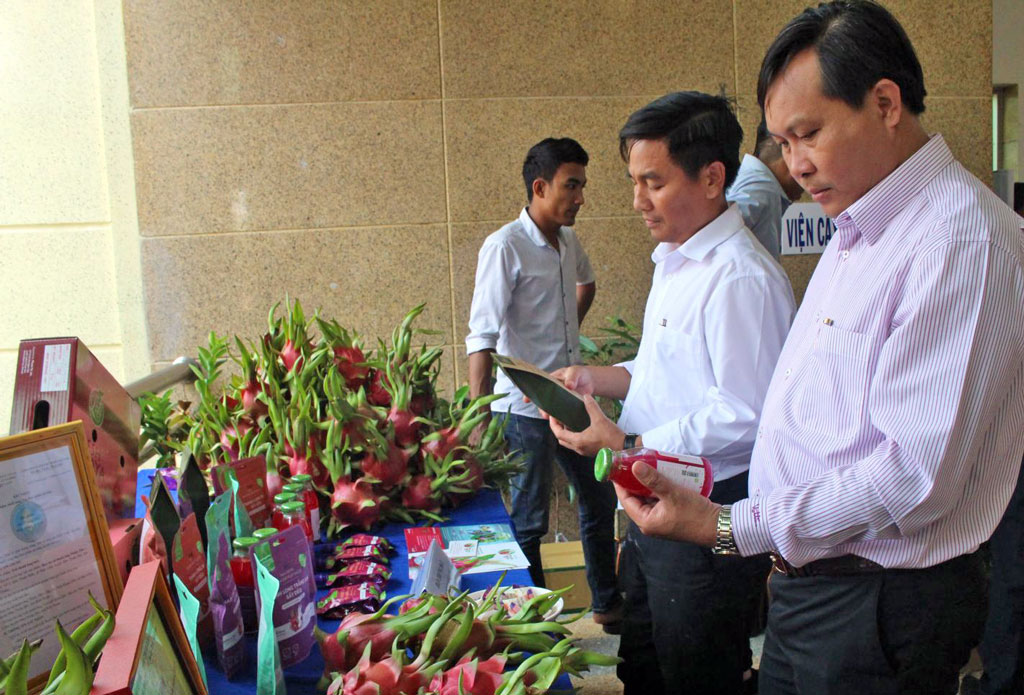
(51, 143)
(964, 69)
(367, 279)
(598, 48)
(58, 282)
(966, 125)
(197, 52)
(619, 251)
(488, 140)
(800, 269)
(290, 167)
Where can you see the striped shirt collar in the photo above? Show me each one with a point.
(871, 214)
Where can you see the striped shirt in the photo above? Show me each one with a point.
(893, 427)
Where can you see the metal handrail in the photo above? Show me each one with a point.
(179, 371)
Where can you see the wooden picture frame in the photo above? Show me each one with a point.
(54, 541)
(148, 632)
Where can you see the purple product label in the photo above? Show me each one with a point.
(286, 555)
(227, 613)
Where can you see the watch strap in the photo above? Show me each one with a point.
(629, 441)
(725, 544)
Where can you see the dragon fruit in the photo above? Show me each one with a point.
(354, 503)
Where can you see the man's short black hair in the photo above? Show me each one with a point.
(858, 43)
(765, 148)
(697, 128)
(544, 158)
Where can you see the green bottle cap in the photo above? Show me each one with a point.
(293, 507)
(282, 497)
(297, 488)
(261, 533)
(603, 464)
(245, 542)
(302, 478)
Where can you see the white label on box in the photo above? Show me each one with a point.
(56, 368)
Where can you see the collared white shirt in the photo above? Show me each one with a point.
(761, 200)
(524, 302)
(894, 425)
(716, 318)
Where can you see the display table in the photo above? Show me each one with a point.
(485, 508)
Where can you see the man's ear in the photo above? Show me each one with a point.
(887, 99)
(713, 177)
(540, 188)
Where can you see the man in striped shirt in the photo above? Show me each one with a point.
(893, 428)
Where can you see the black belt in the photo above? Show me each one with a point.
(843, 566)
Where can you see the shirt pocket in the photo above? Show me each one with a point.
(678, 369)
(832, 395)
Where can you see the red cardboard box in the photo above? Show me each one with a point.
(60, 381)
(124, 536)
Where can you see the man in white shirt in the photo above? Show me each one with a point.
(534, 285)
(716, 318)
(763, 189)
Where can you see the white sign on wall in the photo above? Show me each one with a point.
(805, 229)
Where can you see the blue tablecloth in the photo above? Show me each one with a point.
(485, 508)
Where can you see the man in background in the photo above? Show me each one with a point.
(763, 189)
(534, 285)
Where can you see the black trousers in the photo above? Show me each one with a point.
(688, 612)
(1002, 644)
(896, 632)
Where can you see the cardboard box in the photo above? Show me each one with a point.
(60, 381)
(564, 565)
(124, 536)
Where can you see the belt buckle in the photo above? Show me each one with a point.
(778, 564)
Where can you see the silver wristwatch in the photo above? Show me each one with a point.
(725, 544)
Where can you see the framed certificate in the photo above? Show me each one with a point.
(148, 652)
(54, 542)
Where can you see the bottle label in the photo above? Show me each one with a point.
(690, 476)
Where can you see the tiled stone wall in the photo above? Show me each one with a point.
(355, 154)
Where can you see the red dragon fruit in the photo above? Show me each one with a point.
(418, 494)
(354, 503)
(388, 676)
(376, 393)
(470, 677)
(351, 362)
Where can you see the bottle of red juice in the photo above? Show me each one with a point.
(692, 472)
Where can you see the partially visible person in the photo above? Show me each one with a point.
(716, 318)
(1002, 642)
(891, 436)
(534, 285)
(763, 190)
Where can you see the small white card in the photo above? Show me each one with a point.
(438, 575)
(462, 548)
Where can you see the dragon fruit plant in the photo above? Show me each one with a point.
(368, 425)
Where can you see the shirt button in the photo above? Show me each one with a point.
(788, 372)
(846, 254)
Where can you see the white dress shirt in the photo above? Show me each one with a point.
(894, 425)
(716, 318)
(524, 302)
(761, 200)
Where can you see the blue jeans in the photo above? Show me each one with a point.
(531, 493)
